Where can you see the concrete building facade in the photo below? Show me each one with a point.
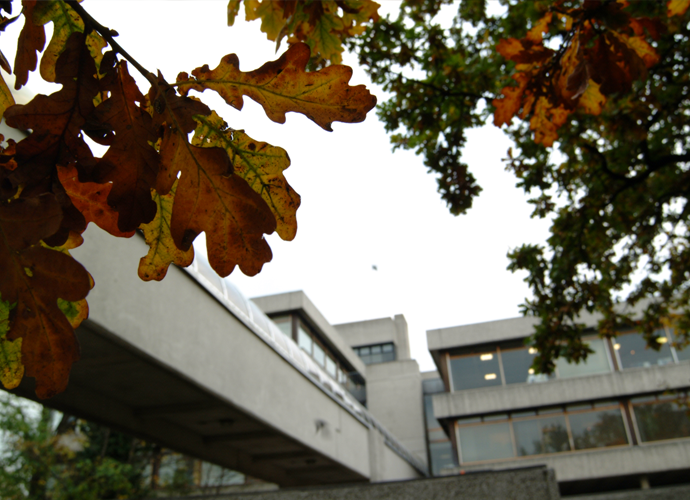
(618, 421)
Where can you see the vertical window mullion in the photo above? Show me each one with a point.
(450, 374)
(457, 440)
(500, 368)
(670, 338)
(512, 436)
(571, 439)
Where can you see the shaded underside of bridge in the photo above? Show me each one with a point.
(179, 364)
(116, 386)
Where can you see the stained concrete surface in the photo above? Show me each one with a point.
(666, 493)
(536, 483)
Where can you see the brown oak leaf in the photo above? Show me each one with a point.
(210, 197)
(284, 85)
(35, 277)
(131, 163)
(91, 199)
(32, 39)
(258, 163)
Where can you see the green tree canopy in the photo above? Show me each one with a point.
(595, 95)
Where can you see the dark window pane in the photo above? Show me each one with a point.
(597, 362)
(516, 365)
(666, 420)
(633, 351)
(376, 358)
(388, 356)
(319, 355)
(376, 349)
(471, 372)
(331, 367)
(304, 340)
(387, 347)
(364, 351)
(442, 457)
(485, 442)
(284, 324)
(597, 429)
(683, 354)
(541, 435)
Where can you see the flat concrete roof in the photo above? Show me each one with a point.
(299, 302)
(497, 331)
(480, 333)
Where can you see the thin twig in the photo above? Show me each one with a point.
(106, 33)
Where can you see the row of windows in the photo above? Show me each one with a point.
(306, 340)
(513, 366)
(309, 343)
(379, 353)
(575, 427)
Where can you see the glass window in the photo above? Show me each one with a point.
(517, 366)
(596, 429)
(541, 435)
(472, 372)
(661, 420)
(284, 324)
(442, 457)
(330, 366)
(319, 355)
(304, 339)
(633, 351)
(379, 353)
(485, 442)
(597, 362)
(434, 430)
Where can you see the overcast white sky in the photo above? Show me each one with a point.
(362, 205)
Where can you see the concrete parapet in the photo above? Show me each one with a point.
(604, 463)
(630, 382)
(667, 493)
(536, 483)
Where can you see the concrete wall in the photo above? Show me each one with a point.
(604, 463)
(666, 493)
(394, 397)
(378, 331)
(299, 302)
(527, 484)
(386, 465)
(628, 382)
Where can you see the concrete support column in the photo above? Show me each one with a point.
(644, 482)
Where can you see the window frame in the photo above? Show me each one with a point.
(613, 404)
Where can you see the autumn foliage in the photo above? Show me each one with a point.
(152, 177)
(604, 52)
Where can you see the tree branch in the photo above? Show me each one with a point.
(444, 91)
(107, 34)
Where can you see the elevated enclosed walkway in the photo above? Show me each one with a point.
(191, 364)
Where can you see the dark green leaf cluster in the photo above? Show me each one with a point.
(46, 455)
(441, 81)
(616, 185)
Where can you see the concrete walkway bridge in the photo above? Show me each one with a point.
(191, 364)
